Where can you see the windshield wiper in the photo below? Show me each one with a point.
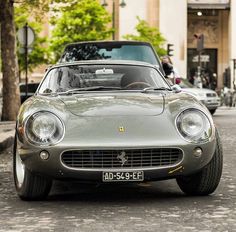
(155, 88)
(71, 91)
(53, 94)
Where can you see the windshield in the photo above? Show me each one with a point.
(101, 77)
(113, 51)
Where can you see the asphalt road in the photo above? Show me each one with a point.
(156, 206)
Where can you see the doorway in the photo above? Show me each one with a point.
(208, 67)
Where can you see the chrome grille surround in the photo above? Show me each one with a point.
(112, 159)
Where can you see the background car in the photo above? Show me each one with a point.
(113, 121)
(32, 87)
(207, 96)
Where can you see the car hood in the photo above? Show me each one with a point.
(120, 104)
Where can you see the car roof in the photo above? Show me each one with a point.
(115, 42)
(96, 62)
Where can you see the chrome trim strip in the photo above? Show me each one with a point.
(124, 169)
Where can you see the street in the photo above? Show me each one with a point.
(155, 206)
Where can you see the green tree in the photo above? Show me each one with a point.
(10, 93)
(81, 20)
(39, 54)
(148, 34)
(10, 89)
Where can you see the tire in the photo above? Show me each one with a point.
(206, 181)
(29, 186)
(212, 111)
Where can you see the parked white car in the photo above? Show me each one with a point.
(207, 96)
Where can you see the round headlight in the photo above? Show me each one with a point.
(194, 126)
(44, 128)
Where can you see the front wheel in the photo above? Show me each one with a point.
(206, 181)
(29, 186)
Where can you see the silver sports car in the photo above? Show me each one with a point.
(113, 121)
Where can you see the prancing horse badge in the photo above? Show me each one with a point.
(121, 129)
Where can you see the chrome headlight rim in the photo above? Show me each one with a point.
(40, 144)
(197, 139)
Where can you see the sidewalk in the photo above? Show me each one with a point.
(7, 131)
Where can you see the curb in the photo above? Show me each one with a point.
(6, 143)
(7, 129)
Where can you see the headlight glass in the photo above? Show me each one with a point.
(44, 128)
(194, 126)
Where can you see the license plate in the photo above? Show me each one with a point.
(122, 176)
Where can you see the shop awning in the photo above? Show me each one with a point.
(209, 4)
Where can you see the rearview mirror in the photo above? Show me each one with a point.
(104, 71)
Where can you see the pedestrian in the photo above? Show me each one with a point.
(191, 76)
(234, 98)
(171, 72)
(198, 82)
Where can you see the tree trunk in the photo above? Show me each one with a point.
(10, 91)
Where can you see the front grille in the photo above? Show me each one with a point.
(130, 158)
(211, 95)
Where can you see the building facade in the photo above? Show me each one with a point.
(182, 22)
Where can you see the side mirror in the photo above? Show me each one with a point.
(176, 88)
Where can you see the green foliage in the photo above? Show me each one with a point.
(37, 8)
(81, 20)
(148, 34)
(39, 54)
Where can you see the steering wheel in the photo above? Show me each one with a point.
(137, 84)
